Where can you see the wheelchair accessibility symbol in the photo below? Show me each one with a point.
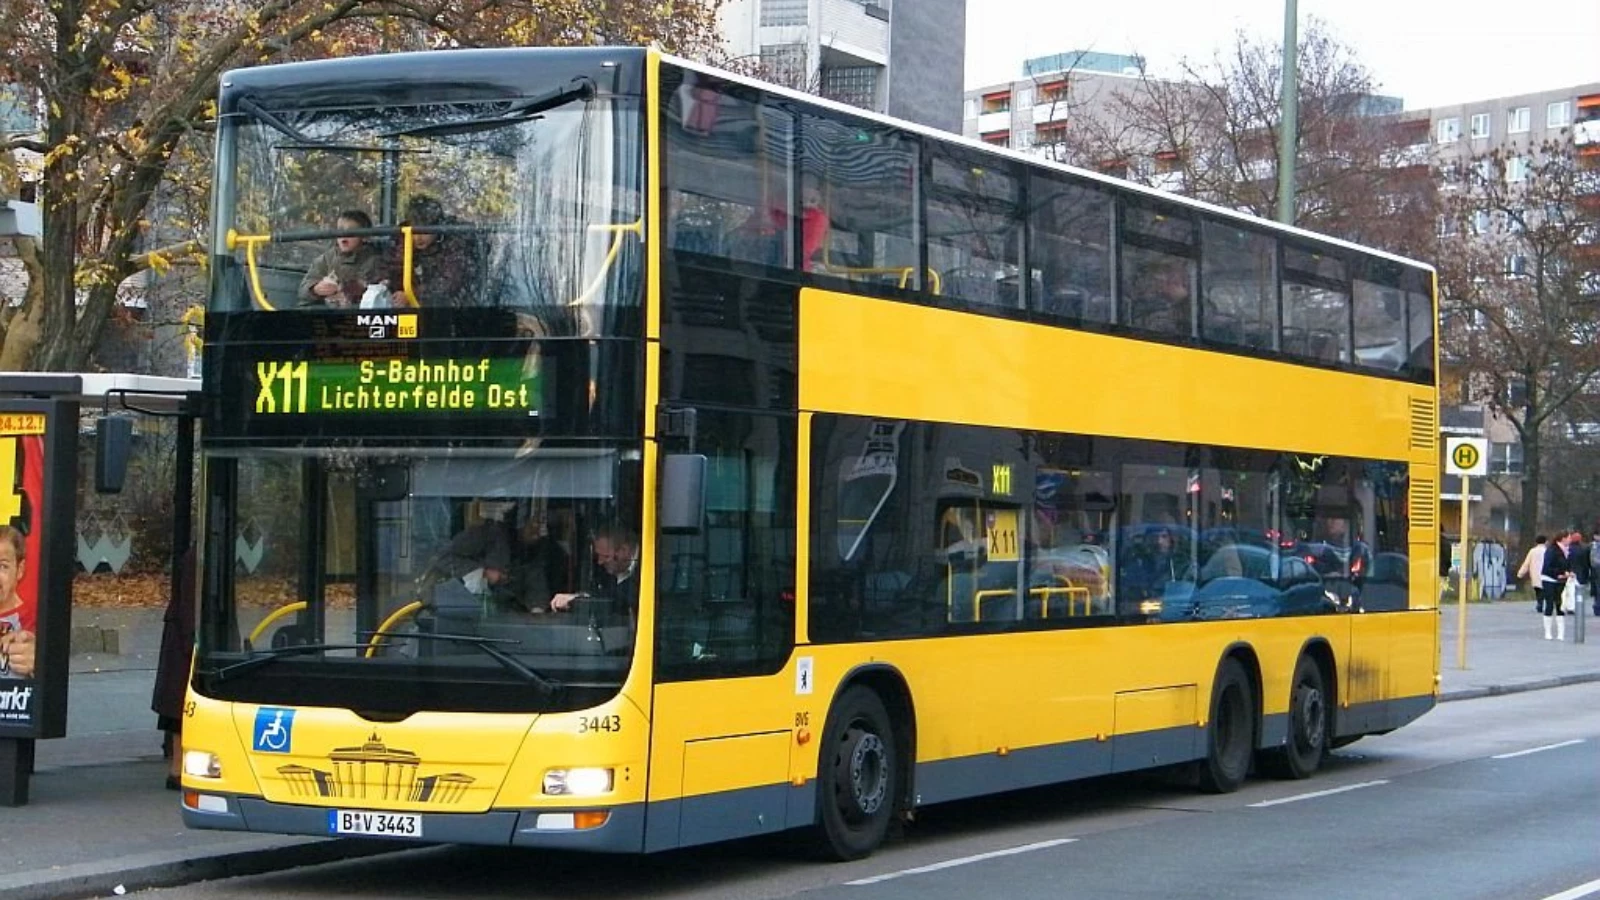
(274, 730)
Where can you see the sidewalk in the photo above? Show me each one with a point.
(99, 816)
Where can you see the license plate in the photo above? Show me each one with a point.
(382, 824)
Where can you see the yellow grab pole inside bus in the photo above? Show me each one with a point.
(1461, 595)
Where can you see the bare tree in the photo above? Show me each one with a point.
(124, 84)
(1519, 303)
(1213, 134)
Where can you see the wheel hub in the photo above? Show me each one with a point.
(1310, 720)
(867, 773)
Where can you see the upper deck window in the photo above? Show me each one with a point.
(1240, 306)
(1158, 270)
(526, 202)
(864, 178)
(1316, 306)
(975, 230)
(728, 156)
(1070, 250)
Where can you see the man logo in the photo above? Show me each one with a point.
(381, 326)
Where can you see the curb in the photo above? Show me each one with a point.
(163, 870)
(1500, 690)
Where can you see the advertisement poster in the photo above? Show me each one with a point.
(22, 464)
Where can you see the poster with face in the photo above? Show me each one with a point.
(33, 461)
(21, 504)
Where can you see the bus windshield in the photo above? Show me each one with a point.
(510, 202)
(372, 577)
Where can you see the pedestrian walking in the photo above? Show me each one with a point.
(1557, 571)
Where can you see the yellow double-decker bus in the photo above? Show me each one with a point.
(605, 452)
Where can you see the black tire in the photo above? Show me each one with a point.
(1309, 720)
(1230, 736)
(856, 778)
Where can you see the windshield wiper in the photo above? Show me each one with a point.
(580, 88)
(278, 125)
(261, 658)
(488, 646)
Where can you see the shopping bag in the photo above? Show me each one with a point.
(1569, 597)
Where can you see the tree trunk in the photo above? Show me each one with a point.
(22, 332)
(1529, 525)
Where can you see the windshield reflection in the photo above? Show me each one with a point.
(495, 565)
(527, 204)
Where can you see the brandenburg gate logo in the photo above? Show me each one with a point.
(375, 772)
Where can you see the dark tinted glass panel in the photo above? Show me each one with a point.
(1158, 271)
(923, 529)
(1070, 251)
(1380, 320)
(1309, 264)
(728, 163)
(1240, 306)
(1316, 322)
(727, 593)
(974, 232)
(1157, 291)
(1347, 520)
(1420, 333)
(865, 179)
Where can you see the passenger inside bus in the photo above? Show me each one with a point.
(341, 274)
(446, 267)
(474, 563)
(814, 225)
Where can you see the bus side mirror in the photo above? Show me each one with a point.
(113, 447)
(683, 493)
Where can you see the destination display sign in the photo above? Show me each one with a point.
(393, 387)
(457, 385)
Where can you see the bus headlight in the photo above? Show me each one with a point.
(201, 764)
(586, 782)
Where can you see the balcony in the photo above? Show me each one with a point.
(1586, 135)
(854, 33)
(1046, 112)
(988, 123)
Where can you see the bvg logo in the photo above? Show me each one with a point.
(401, 326)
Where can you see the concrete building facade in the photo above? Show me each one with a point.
(905, 58)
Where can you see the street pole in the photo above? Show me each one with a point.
(1466, 563)
(1290, 127)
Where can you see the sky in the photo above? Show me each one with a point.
(1428, 52)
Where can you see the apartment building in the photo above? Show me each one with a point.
(1513, 124)
(906, 58)
(1034, 112)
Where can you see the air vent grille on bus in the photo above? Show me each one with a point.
(1424, 424)
(1424, 506)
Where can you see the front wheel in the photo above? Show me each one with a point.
(1230, 739)
(1302, 755)
(855, 778)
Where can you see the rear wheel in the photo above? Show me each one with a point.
(1230, 739)
(1302, 755)
(856, 778)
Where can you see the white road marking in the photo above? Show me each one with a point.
(1538, 750)
(1582, 890)
(951, 863)
(1314, 794)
